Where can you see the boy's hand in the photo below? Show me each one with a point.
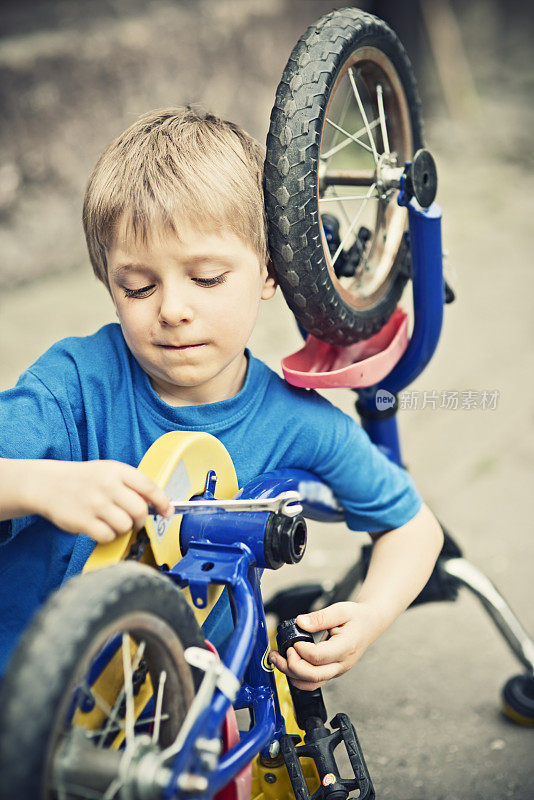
(401, 563)
(349, 628)
(103, 499)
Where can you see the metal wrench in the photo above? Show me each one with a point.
(287, 503)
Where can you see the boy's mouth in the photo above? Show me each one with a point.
(181, 346)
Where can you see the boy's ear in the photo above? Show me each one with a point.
(270, 284)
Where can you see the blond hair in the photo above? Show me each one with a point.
(176, 166)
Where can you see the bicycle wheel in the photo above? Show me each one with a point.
(101, 666)
(346, 118)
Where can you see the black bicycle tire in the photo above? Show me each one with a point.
(53, 645)
(293, 141)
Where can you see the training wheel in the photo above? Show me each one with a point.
(518, 699)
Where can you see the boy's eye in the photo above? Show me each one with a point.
(139, 292)
(144, 291)
(211, 281)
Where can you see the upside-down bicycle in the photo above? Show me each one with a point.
(126, 697)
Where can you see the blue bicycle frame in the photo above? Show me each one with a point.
(428, 300)
(228, 549)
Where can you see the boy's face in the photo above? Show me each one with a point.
(187, 308)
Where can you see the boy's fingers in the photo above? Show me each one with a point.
(302, 670)
(134, 505)
(100, 532)
(146, 487)
(325, 618)
(117, 518)
(306, 685)
(276, 659)
(295, 675)
(334, 649)
(137, 506)
(280, 663)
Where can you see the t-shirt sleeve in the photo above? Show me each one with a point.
(376, 494)
(32, 426)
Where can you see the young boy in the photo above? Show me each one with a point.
(176, 230)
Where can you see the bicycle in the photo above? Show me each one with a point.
(127, 699)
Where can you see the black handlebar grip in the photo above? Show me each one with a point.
(309, 705)
(288, 633)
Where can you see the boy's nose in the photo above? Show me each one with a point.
(175, 309)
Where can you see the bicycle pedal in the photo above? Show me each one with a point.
(319, 745)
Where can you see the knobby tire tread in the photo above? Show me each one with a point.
(293, 142)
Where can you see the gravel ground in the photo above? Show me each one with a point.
(425, 698)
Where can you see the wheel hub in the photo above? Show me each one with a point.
(421, 177)
(137, 772)
(387, 175)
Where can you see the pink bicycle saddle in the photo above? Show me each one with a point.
(319, 365)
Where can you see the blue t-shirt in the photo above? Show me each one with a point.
(87, 398)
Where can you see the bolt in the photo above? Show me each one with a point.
(270, 778)
(88, 704)
(208, 761)
(208, 751)
(192, 784)
(274, 748)
(208, 745)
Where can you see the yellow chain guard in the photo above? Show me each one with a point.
(177, 462)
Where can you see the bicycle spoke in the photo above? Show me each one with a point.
(362, 112)
(84, 792)
(61, 793)
(159, 702)
(81, 791)
(128, 685)
(99, 701)
(112, 717)
(350, 136)
(342, 207)
(112, 789)
(112, 724)
(341, 122)
(345, 142)
(382, 117)
(338, 199)
(139, 723)
(353, 224)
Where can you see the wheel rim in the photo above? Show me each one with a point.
(134, 666)
(366, 134)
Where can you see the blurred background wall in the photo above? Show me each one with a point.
(74, 73)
